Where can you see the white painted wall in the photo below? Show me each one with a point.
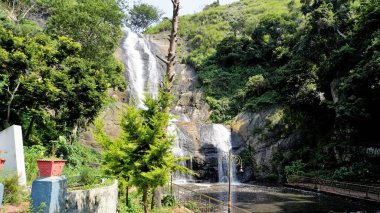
(12, 144)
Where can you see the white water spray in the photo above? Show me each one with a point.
(142, 72)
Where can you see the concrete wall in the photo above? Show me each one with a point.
(97, 200)
(12, 144)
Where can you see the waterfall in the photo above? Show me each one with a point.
(219, 136)
(142, 70)
(179, 151)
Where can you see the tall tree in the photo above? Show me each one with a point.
(173, 39)
(142, 156)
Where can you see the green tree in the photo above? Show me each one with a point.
(143, 15)
(142, 156)
(46, 86)
(96, 25)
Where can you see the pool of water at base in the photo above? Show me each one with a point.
(258, 198)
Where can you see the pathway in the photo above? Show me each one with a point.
(363, 192)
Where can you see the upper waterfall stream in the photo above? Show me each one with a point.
(143, 74)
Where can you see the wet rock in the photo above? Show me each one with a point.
(264, 141)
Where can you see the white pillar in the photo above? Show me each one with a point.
(12, 150)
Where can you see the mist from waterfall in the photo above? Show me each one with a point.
(142, 73)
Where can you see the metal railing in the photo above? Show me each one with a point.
(198, 202)
(355, 190)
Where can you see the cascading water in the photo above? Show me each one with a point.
(220, 137)
(142, 68)
(180, 152)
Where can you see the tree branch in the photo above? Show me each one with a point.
(30, 8)
(12, 94)
(163, 60)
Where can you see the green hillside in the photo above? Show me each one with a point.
(203, 31)
(316, 61)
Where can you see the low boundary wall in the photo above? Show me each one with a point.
(96, 200)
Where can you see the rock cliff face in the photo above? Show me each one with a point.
(265, 145)
(189, 98)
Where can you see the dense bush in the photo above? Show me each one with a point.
(32, 154)
(13, 192)
(53, 80)
(168, 200)
(296, 168)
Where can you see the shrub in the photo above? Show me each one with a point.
(271, 177)
(342, 173)
(32, 154)
(192, 206)
(296, 168)
(13, 193)
(168, 201)
(87, 176)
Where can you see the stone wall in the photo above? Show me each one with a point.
(97, 200)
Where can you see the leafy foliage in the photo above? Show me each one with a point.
(142, 155)
(169, 200)
(55, 84)
(143, 15)
(13, 192)
(296, 168)
(79, 158)
(32, 154)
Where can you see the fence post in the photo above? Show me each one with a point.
(208, 205)
(171, 184)
(366, 193)
(178, 193)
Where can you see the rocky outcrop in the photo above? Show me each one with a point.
(262, 134)
(111, 117)
(189, 97)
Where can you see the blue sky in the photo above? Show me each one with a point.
(188, 6)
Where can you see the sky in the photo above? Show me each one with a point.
(188, 6)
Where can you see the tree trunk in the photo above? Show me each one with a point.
(173, 38)
(29, 130)
(152, 201)
(12, 96)
(127, 196)
(145, 200)
(157, 198)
